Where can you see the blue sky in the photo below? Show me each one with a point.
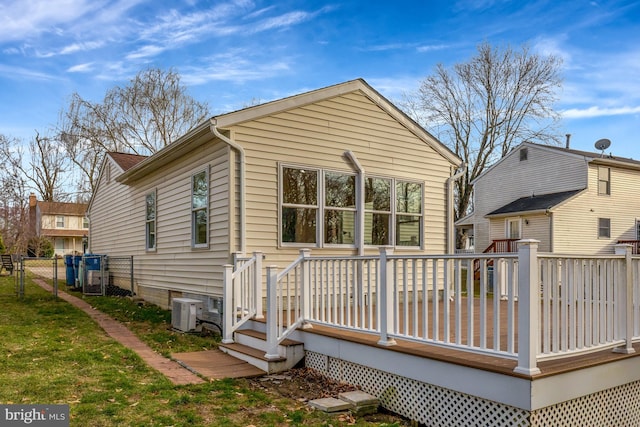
(232, 53)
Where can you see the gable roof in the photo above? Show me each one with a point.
(125, 160)
(187, 142)
(295, 101)
(534, 203)
(590, 157)
(61, 208)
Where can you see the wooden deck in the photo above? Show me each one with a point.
(470, 359)
(474, 360)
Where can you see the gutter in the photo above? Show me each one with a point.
(451, 242)
(243, 202)
(360, 199)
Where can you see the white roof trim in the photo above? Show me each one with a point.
(227, 120)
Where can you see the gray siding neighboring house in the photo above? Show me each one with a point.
(275, 178)
(572, 201)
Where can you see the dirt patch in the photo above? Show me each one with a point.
(304, 384)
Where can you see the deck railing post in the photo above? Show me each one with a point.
(626, 295)
(305, 289)
(228, 304)
(272, 312)
(258, 289)
(528, 310)
(386, 298)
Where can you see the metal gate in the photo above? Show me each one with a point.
(46, 268)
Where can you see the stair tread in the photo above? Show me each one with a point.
(250, 351)
(261, 335)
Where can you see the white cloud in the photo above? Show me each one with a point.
(81, 68)
(19, 73)
(594, 111)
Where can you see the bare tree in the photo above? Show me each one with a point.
(14, 209)
(482, 108)
(141, 118)
(43, 169)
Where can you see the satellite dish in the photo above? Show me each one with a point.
(602, 144)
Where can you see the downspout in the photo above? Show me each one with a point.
(451, 238)
(360, 200)
(243, 202)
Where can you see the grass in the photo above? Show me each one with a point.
(55, 354)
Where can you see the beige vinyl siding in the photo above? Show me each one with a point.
(576, 222)
(317, 136)
(545, 171)
(174, 264)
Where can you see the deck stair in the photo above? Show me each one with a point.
(251, 346)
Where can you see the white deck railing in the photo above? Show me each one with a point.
(242, 287)
(524, 306)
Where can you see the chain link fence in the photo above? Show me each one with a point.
(120, 275)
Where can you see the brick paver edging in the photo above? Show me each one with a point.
(176, 373)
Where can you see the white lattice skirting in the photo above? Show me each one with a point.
(440, 407)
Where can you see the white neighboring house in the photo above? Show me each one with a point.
(65, 224)
(572, 201)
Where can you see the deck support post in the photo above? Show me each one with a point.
(228, 304)
(528, 307)
(386, 298)
(272, 313)
(626, 293)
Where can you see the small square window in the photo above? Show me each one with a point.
(604, 228)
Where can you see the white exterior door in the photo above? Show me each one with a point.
(513, 228)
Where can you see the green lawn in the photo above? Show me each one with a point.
(55, 354)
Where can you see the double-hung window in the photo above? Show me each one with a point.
(320, 207)
(150, 209)
(604, 181)
(604, 228)
(60, 221)
(200, 210)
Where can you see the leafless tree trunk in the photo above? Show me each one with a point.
(484, 107)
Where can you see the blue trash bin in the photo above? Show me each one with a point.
(92, 261)
(70, 272)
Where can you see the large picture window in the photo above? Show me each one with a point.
(320, 207)
(200, 209)
(150, 208)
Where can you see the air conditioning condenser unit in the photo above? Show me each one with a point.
(184, 313)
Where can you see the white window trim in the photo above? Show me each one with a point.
(321, 208)
(64, 221)
(192, 210)
(507, 227)
(147, 221)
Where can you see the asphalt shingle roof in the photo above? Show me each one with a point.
(535, 202)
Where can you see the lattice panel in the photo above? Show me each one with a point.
(425, 403)
(618, 406)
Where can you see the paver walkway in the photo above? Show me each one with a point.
(176, 373)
